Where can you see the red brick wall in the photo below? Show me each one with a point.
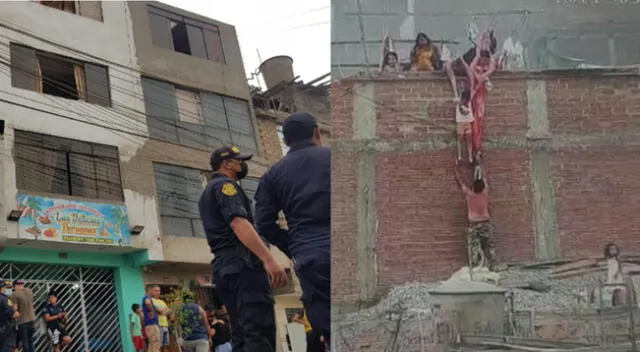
(420, 212)
(343, 227)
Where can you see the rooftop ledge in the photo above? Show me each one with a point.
(521, 74)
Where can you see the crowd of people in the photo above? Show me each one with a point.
(197, 329)
(18, 319)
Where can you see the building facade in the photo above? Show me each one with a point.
(72, 118)
(196, 99)
(560, 153)
(105, 139)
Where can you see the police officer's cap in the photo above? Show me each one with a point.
(6, 284)
(228, 152)
(299, 126)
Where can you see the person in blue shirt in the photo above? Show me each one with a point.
(299, 185)
(56, 318)
(244, 270)
(150, 315)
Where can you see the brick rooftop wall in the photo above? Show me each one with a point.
(562, 159)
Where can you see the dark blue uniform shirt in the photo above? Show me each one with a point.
(300, 186)
(221, 202)
(53, 310)
(6, 315)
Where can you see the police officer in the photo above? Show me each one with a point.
(300, 186)
(7, 318)
(244, 269)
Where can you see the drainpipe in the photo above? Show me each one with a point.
(3, 212)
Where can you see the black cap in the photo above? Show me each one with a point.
(299, 126)
(228, 152)
(18, 282)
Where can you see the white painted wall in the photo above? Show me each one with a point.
(111, 40)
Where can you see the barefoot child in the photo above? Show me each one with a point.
(464, 119)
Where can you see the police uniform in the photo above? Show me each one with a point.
(239, 275)
(300, 186)
(7, 323)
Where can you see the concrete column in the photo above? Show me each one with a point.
(613, 58)
(544, 206)
(364, 128)
(3, 207)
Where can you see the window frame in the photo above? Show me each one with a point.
(172, 125)
(162, 217)
(85, 94)
(69, 170)
(189, 21)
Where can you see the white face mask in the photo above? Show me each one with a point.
(8, 292)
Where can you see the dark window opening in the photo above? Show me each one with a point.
(185, 35)
(180, 37)
(66, 6)
(59, 78)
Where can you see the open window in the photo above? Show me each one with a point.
(59, 76)
(185, 35)
(66, 6)
(90, 9)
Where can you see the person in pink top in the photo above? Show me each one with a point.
(480, 231)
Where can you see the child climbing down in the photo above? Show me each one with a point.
(464, 119)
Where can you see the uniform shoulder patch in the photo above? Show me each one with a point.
(229, 190)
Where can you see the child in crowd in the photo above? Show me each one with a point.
(136, 329)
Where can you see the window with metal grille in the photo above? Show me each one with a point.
(60, 76)
(201, 120)
(179, 189)
(56, 165)
(185, 35)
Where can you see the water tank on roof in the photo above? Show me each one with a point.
(277, 69)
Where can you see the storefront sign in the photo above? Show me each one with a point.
(62, 220)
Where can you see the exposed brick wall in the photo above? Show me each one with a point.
(269, 140)
(341, 110)
(420, 214)
(597, 192)
(343, 230)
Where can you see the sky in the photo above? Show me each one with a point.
(300, 29)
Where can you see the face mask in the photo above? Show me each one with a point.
(8, 292)
(244, 170)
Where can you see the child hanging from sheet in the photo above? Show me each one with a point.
(464, 121)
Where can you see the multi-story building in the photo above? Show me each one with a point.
(73, 122)
(196, 99)
(109, 112)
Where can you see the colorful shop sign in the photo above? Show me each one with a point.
(62, 220)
